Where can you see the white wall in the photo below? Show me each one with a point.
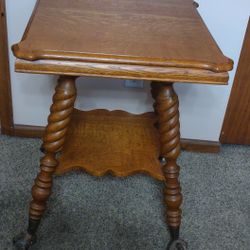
(202, 106)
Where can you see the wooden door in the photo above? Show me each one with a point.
(6, 117)
(236, 127)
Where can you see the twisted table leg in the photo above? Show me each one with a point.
(155, 87)
(167, 108)
(58, 121)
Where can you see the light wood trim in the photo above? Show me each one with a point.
(186, 144)
(122, 71)
(89, 58)
(6, 114)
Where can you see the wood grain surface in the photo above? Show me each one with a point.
(236, 127)
(6, 113)
(122, 71)
(113, 142)
(60, 115)
(168, 123)
(151, 34)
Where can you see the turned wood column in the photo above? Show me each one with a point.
(167, 109)
(58, 122)
(155, 87)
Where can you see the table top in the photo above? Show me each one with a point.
(112, 37)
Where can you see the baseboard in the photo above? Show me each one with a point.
(28, 131)
(201, 146)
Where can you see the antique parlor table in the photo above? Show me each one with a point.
(164, 41)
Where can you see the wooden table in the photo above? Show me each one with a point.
(164, 41)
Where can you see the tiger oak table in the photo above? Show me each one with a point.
(164, 41)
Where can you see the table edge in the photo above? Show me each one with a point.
(116, 59)
(102, 58)
(122, 71)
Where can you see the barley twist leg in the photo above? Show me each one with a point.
(167, 108)
(155, 88)
(58, 121)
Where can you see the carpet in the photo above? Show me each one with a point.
(91, 213)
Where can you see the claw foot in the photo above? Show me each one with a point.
(177, 245)
(23, 241)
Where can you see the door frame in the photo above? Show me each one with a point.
(6, 111)
(235, 129)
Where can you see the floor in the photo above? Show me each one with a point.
(106, 213)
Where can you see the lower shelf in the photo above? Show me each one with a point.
(111, 142)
